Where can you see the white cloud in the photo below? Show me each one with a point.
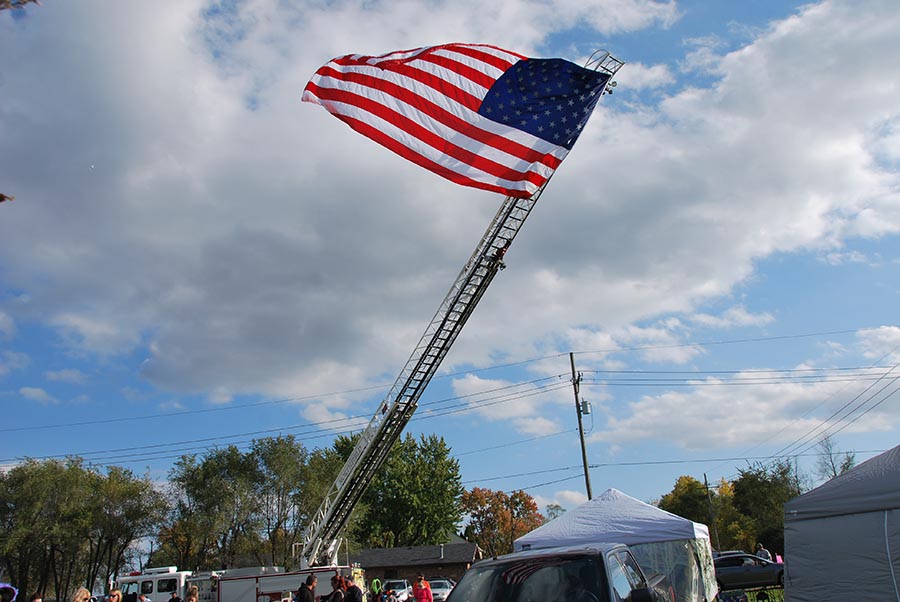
(717, 413)
(568, 498)
(658, 344)
(220, 396)
(243, 243)
(536, 425)
(733, 316)
(101, 335)
(880, 344)
(10, 361)
(7, 326)
(171, 406)
(836, 258)
(37, 394)
(69, 375)
(5, 468)
(521, 406)
(641, 77)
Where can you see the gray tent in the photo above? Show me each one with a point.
(842, 539)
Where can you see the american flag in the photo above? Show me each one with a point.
(475, 114)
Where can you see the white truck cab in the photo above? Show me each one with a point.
(157, 584)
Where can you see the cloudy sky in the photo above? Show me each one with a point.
(194, 258)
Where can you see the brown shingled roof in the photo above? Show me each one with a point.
(465, 552)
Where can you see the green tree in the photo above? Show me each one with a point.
(64, 525)
(280, 470)
(217, 509)
(760, 492)
(688, 499)
(124, 510)
(414, 499)
(552, 511)
(735, 531)
(495, 520)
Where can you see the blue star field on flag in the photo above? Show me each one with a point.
(548, 98)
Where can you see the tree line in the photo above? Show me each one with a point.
(750, 509)
(66, 524)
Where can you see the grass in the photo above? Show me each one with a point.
(775, 595)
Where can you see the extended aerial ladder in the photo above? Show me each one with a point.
(321, 539)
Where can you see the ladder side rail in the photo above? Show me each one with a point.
(395, 411)
(419, 363)
(434, 329)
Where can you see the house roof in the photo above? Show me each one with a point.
(453, 553)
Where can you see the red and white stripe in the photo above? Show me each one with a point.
(423, 105)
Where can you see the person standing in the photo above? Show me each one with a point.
(82, 594)
(8, 593)
(354, 592)
(422, 590)
(307, 591)
(337, 589)
(763, 553)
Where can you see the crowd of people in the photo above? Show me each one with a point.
(8, 593)
(343, 589)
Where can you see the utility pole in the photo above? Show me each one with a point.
(712, 515)
(576, 381)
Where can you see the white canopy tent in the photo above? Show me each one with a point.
(842, 539)
(661, 541)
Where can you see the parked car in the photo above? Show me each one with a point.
(441, 588)
(599, 572)
(401, 587)
(734, 571)
(727, 553)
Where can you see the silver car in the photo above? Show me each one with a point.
(441, 588)
(402, 589)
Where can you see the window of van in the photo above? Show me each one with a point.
(146, 587)
(166, 585)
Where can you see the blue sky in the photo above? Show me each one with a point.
(195, 259)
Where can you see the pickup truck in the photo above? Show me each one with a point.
(602, 572)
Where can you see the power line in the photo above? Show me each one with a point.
(869, 409)
(190, 412)
(522, 474)
(723, 342)
(740, 382)
(875, 364)
(741, 371)
(437, 377)
(506, 445)
(350, 424)
(535, 486)
(640, 463)
(803, 439)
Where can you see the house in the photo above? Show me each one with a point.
(445, 560)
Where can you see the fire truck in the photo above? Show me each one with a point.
(262, 584)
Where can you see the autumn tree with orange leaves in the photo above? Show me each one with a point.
(495, 520)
